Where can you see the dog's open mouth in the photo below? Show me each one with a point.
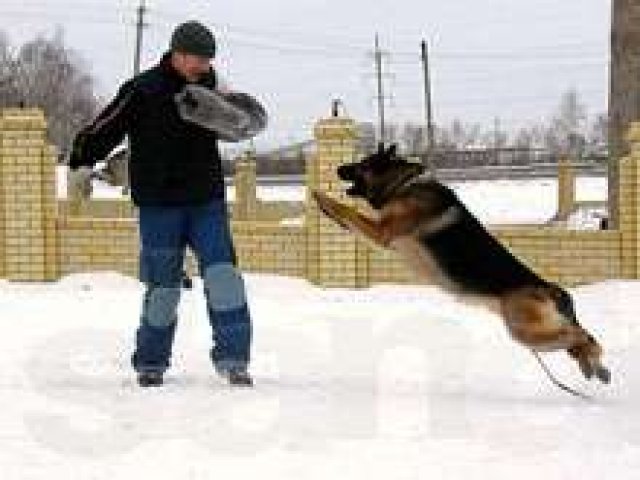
(356, 190)
(348, 174)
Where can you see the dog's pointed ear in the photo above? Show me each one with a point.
(392, 150)
(381, 149)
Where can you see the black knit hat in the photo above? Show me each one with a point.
(193, 37)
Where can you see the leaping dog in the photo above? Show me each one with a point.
(425, 222)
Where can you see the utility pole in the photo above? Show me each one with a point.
(380, 96)
(427, 95)
(140, 25)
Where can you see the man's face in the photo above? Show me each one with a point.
(192, 67)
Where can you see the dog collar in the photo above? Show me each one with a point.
(402, 182)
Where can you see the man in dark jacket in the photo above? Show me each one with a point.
(177, 183)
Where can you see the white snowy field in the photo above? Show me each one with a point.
(505, 201)
(385, 383)
(493, 201)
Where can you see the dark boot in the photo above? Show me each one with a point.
(237, 376)
(150, 379)
(240, 377)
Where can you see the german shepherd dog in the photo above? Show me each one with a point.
(425, 222)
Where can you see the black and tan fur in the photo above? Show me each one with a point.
(426, 223)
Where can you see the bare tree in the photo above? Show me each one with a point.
(45, 73)
(8, 84)
(568, 125)
(598, 135)
(464, 135)
(458, 135)
(392, 133)
(531, 136)
(496, 137)
(367, 137)
(413, 137)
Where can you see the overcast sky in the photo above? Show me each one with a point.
(510, 59)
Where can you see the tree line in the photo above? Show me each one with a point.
(568, 129)
(46, 73)
(460, 144)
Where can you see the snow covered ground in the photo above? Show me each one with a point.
(392, 382)
(493, 201)
(385, 383)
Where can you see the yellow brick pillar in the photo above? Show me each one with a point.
(27, 197)
(629, 205)
(566, 189)
(335, 258)
(246, 199)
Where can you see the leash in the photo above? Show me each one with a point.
(556, 382)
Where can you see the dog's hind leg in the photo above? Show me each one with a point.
(588, 353)
(532, 319)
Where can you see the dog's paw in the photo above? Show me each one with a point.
(586, 369)
(603, 374)
(330, 207)
(319, 197)
(322, 200)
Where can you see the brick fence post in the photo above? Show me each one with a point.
(27, 197)
(566, 189)
(246, 200)
(629, 205)
(335, 258)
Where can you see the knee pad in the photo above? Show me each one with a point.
(161, 305)
(224, 287)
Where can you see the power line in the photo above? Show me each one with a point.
(53, 16)
(330, 40)
(345, 42)
(292, 49)
(335, 49)
(263, 40)
(258, 37)
(523, 57)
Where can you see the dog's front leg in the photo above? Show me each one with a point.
(353, 220)
(330, 207)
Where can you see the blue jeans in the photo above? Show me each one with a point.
(165, 232)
